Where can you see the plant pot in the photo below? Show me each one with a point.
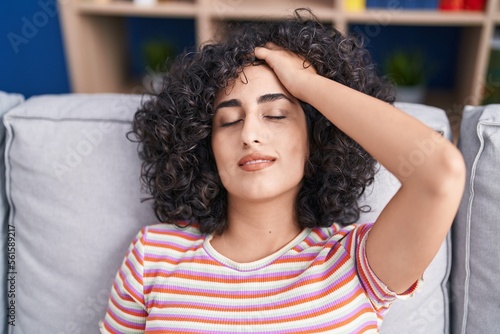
(413, 94)
(145, 2)
(153, 82)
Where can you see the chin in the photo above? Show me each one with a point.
(265, 194)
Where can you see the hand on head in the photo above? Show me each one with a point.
(291, 69)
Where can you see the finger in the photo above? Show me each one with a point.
(272, 46)
(261, 52)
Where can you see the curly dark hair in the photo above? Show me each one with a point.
(174, 127)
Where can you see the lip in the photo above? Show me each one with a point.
(255, 161)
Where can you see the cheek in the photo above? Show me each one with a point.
(225, 179)
(301, 144)
(297, 155)
(221, 155)
(216, 149)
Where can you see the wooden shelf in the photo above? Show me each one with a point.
(95, 34)
(126, 8)
(417, 18)
(265, 9)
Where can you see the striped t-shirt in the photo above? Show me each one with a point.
(173, 281)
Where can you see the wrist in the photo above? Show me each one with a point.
(307, 87)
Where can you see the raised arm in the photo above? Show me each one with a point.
(411, 228)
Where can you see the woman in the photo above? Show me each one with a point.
(256, 153)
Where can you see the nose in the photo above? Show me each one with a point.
(252, 132)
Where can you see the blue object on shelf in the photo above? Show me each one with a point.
(373, 3)
(412, 4)
(431, 4)
(403, 4)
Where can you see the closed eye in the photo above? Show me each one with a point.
(276, 117)
(226, 124)
(230, 123)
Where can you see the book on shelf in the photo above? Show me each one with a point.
(445, 5)
(411, 4)
(403, 4)
(373, 4)
(451, 4)
(474, 5)
(431, 4)
(355, 5)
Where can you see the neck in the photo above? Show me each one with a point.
(257, 229)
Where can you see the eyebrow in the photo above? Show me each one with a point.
(262, 99)
(274, 97)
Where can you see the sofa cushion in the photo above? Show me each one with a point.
(7, 102)
(475, 291)
(73, 182)
(427, 312)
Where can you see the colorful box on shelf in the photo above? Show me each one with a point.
(474, 4)
(403, 4)
(451, 4)
(355, 5)
(477, 5)
(372, 4)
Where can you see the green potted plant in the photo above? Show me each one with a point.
(158, 56)
(406, 70)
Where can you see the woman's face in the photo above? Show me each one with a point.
(259, 137)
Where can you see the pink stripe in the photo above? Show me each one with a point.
(300, 299)
(122, 295)
(137, 256)
(221, 278)
(359, 310)
(321, 253)
(275, 276)
(187, 330)
(278, 319)
(303, 257)
(303, 281)
(370, 280)
(367, 277)
(301, 260)
(128, 324)
(128, 286)
(121, 307)
(133, 270)
(170, 244)
(185, 234)
(321, 234)
(361, 329)
(191, 258)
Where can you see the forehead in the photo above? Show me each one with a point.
(254, 80)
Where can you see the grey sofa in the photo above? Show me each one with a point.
(71, 204)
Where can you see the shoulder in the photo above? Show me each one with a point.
(338, 232)
(178, 237)
(338, 239)
(180, 231)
